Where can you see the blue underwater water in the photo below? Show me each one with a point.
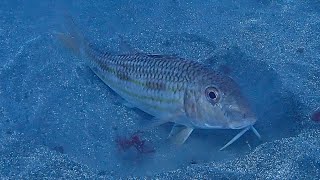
(58, 120)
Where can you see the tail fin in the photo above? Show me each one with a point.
(72, 39)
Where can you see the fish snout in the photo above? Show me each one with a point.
(244, 112)
(239, 119)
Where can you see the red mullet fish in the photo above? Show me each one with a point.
(172, 89)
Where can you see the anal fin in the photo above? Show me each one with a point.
(157, 121)
(154, 122)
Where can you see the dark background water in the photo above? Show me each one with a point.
(58, 120)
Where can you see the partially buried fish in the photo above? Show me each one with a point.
(171, 89)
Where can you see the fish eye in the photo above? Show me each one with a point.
(212, 94)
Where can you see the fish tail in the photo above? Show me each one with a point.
(72, 38)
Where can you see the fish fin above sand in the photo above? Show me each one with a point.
(175, 129)
(182, 136)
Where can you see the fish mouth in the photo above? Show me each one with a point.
(240, 134)
(239, 127)
(249, 122)
(208, 126)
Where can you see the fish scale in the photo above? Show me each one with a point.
(145, 85)
(150, 67)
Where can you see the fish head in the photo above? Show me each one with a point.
(218, 103)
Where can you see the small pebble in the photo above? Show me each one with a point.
(102, 173)
(59, 149)
(316, 116)
(193, 162)
(300, 50)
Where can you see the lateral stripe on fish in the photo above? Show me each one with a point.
(141, 97)
(151, 85)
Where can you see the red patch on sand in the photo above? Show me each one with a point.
(134, 141)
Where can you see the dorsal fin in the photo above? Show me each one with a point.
(160, 56)
(163, 56)
(125, 46)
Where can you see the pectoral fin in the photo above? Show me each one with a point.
(175, 129)
(182, 136)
